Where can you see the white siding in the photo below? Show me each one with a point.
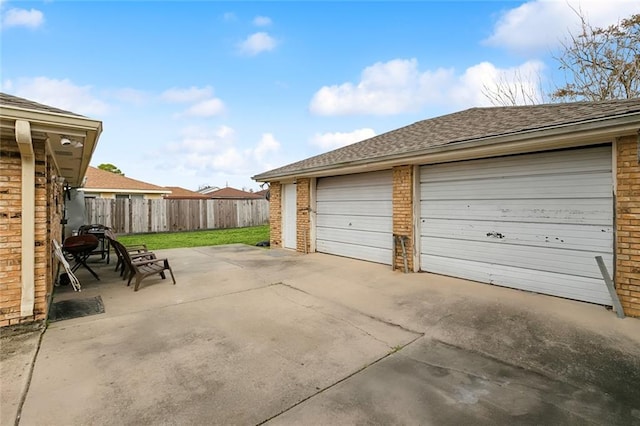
(533, 222)
(354, 216)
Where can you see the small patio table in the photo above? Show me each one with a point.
(81, 247)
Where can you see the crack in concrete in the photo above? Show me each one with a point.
(373, 317)
(334, 317)
(347, 377)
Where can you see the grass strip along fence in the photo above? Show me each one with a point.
(250, 235)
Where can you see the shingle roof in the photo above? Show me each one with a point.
(101, 179)
(461, 127)
(14, 101)
(182, 193)
(232, 193)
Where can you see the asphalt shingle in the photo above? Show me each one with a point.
(14, 101)
(461, 127)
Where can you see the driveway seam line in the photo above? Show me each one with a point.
(343, 320)
(371, 364)
(373, 317)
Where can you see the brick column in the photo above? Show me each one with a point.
(42, 224)
(403, 213)
(275, 214)
(628, 225)
(10, 232)
(302, 215)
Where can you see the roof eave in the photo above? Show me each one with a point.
(584, 133)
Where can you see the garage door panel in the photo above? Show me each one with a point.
(361, 180)
(581, 263)
(555, 284)
(364, 238)
(360, 223)
(583, 211)
(372, 254)
(595, 160)
(588, 185)
(354, 208)
(372, 193)
(561, 236)
(354, 216)
(534, 222)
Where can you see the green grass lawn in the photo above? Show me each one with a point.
(212, 237)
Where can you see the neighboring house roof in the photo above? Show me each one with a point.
(70, 138)
(208, 189)
(229, 193)
(481, 126)
(102, 181)
(178, 193)
(262, 193)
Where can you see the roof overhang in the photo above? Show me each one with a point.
(572, 135)
(69, 139)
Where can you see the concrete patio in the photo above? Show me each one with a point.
(253, 336)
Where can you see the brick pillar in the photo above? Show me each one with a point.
(403, 213)
(628, 225)
(275, 214)
(10, 232)
(302, 215)
(43, 248)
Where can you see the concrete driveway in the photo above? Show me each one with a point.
(253, 336)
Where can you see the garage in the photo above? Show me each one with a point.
(533, 222)
(354, 216)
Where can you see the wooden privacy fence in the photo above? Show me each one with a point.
(132, 216)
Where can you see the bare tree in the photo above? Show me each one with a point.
(601, 63)
(514, 88)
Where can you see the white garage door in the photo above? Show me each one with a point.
(533, 222)
(354, 216)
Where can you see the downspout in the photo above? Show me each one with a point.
(25, 145)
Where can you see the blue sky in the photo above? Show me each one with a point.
(212, 93)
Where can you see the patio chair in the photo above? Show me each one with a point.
(135, 251)
(143, 267)
(57, 250)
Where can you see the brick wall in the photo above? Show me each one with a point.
(302, 215)
(42, 247)
(628, 225)
(11, 232)
(275, 214)
(403, 213)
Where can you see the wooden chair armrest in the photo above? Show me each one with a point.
(149, 261)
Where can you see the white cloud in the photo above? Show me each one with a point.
(208, 108)
(267, 144)
(522, 81)
(398, 86)
(257, 43)
(262, 21)
(16, 17)
(62, 94)
(229, 16)
(385, 88)
(214, 152)
(542, 24)
(191, 94)
(329, 141)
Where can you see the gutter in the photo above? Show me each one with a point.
(25, 145)
(590, 132)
